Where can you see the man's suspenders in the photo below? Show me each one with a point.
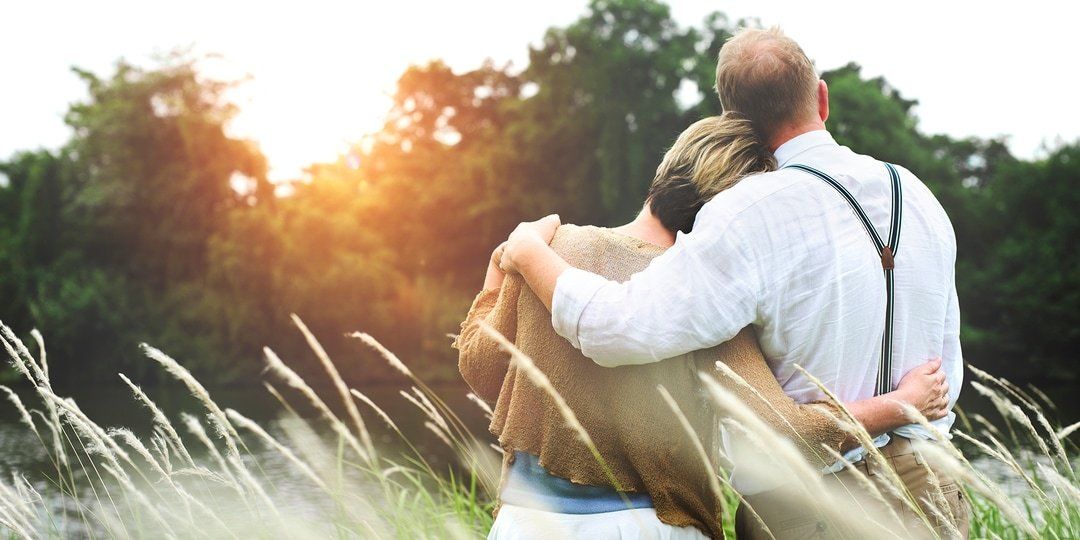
(887, 251)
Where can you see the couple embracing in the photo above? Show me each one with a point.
(767, 264)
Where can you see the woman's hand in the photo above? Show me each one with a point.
(925, 389)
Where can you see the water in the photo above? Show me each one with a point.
(115, 406)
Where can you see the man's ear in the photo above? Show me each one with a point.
(823, 100)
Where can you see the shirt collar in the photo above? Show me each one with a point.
(801, 143)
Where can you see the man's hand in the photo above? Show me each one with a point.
(494, 277)
(527, 235)
(926, 389)
(526, 252)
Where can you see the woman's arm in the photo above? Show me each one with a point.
(812, 425)
(482, 363)
(809, 426)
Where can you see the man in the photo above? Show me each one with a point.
(784, 251)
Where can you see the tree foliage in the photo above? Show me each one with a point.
(153, 224)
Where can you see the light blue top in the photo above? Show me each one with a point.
(530, 485)
(855, 455)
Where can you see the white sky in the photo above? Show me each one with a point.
(323, 71)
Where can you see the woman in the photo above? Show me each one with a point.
(652, 479)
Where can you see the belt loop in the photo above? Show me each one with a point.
(870, 465)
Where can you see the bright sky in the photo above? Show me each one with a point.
(323, 71)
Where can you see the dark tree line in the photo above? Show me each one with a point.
(152, 224)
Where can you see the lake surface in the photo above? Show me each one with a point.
(114, 406)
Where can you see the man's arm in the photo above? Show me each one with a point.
(811, 425)
(924, 387)
(698, 294)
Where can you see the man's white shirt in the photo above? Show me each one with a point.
(784, 251)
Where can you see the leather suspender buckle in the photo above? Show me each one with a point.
(887, 261)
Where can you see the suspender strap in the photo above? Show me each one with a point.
(886, 249)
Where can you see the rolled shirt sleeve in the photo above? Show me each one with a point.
(573, 291)
(696, 295)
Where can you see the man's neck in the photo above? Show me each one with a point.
(786, 133)
(647, 227)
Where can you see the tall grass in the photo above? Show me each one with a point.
(206, 474)
(104, 482)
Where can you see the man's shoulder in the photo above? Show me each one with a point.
(758, 191)
(917, 192)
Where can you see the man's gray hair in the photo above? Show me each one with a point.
(766, 76)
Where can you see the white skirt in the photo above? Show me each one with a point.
(519, 523)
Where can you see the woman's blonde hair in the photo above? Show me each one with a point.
(708, 157)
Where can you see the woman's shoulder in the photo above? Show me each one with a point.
(599, 249)
(569, 234)
(576, 243)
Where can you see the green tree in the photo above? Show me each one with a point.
(1023, 287)
(31, 229)
(605, 106)
(109, 237)
(134, 231)
(155, 168)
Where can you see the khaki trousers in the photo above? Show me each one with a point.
(857, 513)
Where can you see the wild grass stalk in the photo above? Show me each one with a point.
(1064, 433)
(457, 430)
(160, 419)
(24, 414)
(538, 378)
(217, 416)
(703, 455)
(306, 483)
(255, 428)
(340, 386)
(294, 380)
(736, 379)
(893, 484)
